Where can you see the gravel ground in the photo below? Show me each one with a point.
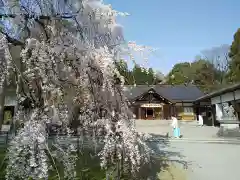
(208, 161)
(188, 130)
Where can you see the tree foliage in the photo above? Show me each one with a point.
(139, 75)
(200, 72)
(234, 54)
(209, 71)
(125, 72)
(180, 74)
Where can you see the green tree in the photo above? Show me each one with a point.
(125, 72)
(143, 76)
(180, 74)
(138, 75)
(200, 73)
(234, 54)
(204, 75)
(150, 76)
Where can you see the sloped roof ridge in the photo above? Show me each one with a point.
(170, 92)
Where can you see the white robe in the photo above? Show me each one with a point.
(200, 120)
(174, 122)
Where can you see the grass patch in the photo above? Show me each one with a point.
(88, 168)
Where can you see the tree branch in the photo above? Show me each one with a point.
(12, 40)
(37, 19)
(43, 27)
(43, 17)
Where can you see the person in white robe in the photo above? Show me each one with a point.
(176, 129)
(200, 120)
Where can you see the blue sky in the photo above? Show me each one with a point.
(180, 29)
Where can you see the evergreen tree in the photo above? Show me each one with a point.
(234, 54)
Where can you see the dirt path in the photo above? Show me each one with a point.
(187, 130)
(210, 161)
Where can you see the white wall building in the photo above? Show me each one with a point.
(226, 105)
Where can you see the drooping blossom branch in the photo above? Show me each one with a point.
(69, 69)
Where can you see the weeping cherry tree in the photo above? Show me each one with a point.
(67, 63)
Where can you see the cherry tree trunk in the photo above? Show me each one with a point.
(2, 102)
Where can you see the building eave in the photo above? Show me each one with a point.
(219, 92)
(151, 89)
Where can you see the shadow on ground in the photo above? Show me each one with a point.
(163, 164)
(228, 133)
(162, 161)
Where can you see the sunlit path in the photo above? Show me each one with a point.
(208, 161)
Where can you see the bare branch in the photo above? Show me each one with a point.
(45, 17)
(43, 28)
(12, 40)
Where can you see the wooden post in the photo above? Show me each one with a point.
(169, 111)
(175, 110)
(206, 115)
(222, 105)
(183, 112)
(139, 113)
(145, 113)
(153, 109)
(163, 117)
(235, 106)
(213, 115)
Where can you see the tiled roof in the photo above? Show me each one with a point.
(226, 89)
(172, 93)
